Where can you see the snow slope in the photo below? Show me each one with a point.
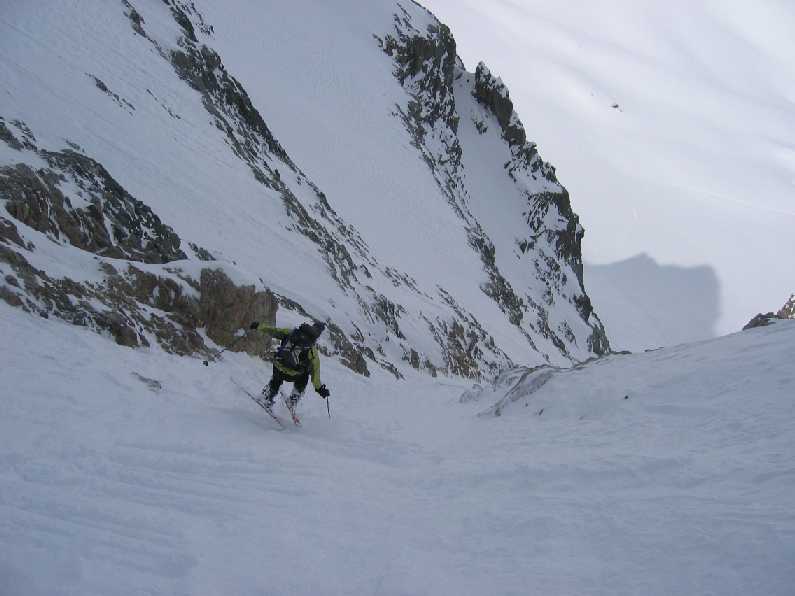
(137, 471)
(695, 167)
(113, 487)
(272, 137)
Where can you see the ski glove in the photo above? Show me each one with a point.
(254, 325)
(323, 392)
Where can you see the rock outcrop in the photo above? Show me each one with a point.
(764, 319)
(96, 214)
(225, 309)
(493, 94)
(788, 310)
(137, 307)
(426, 65)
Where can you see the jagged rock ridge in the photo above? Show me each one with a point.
(427, 65)
(763, 319)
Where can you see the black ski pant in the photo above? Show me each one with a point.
(299, 382)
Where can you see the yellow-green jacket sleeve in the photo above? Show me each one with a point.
(277, 332)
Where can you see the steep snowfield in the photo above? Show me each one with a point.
(696, 166)
(112, 487)
(327, 199)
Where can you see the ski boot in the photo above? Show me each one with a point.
(267, 399)
(292, 403)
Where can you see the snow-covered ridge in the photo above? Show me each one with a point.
(439, 116)
(199, 175)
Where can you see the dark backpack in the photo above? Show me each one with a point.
(293, 352)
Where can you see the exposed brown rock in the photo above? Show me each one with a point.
(225, 309)
(10, 297)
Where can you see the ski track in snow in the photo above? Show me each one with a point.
(110, 487)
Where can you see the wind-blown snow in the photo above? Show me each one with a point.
(112, 487)
(695, 166)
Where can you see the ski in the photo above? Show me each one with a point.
(262, 405)
(257, 400)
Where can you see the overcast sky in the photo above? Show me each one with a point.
(697, 164)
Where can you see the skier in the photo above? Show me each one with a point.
(296, 359)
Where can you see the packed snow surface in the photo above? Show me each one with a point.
(115, 485)
(671, 125)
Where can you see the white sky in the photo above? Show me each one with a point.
(697, 167)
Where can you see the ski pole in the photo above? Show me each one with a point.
(229, 347)
(328, 406)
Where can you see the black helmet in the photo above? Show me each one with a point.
(310, 333)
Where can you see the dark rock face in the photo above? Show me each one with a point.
(114, 307)
(762, 320)
(598, 342)
(418, 56)
(118, 100)
(468, 349)
(349, 354)
(201, 253)
(788, 310)
(136, 20)
(8, 137)
(497, 287)
(184, 12)
(9, 233)
(494, 95)
(229, 104)
(112, 223)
